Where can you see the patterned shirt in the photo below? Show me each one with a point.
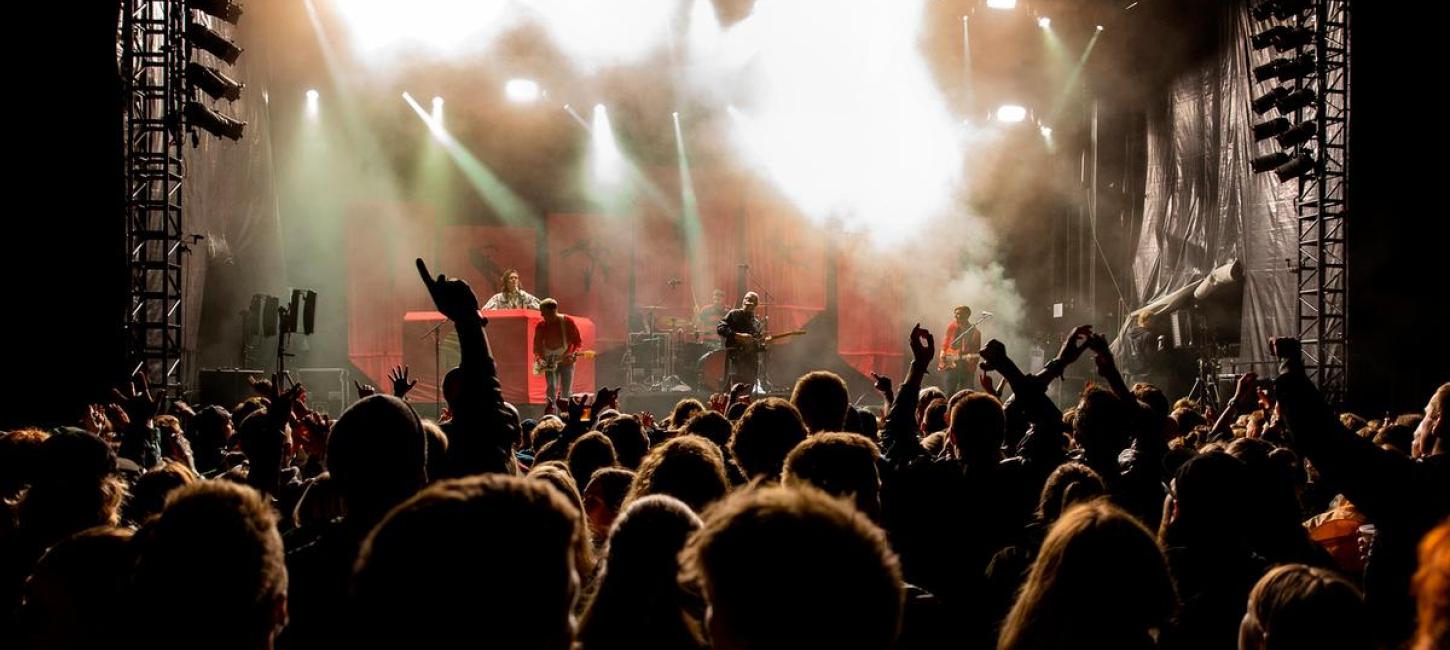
(519, 300)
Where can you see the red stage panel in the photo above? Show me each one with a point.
(511, 338)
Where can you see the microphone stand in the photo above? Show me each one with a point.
(437, 334)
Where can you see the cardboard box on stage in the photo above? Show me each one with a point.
(511, 338)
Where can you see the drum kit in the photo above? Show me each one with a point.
(669, 348)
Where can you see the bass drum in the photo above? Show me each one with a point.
(711, 369)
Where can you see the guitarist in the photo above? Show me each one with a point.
(740, 331)
(556, 344)
(958, 362)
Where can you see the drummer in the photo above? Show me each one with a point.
(709, 316)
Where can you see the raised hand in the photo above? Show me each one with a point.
(985, 381)
(182, 408)
(923, 347)
(1076, 342)
(263, 387)
(95, 419)
(993, 354)
(647, 419)
(578, 406)
(453, 298)
(401, 383)
(880, 383)
(139, 404)
(1101, 348)
(1244, 392)
(364, 390)
(718, 402)
(740, 392)
(606, 398)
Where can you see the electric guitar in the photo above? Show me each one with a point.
(550, 362)
(759, 342)
(950, 357)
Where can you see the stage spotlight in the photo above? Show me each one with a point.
(1295, 101)
(1100, 28)
(1297, 135)
(1269, 129)
(1301, 65)
(213, 82)
(1294, 37)
(1046, 131)
(223, 9)
(1269, 162)
(312, 97)
(1044, 22)
(1268, 100)
(1269, 70)
(1002, 4)
(217, 124)
(522, 91)
(1011, 113)
(1267, 37)
(212, 41)
(437, 115)
(1300, 165)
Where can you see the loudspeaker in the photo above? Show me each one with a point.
(309, 311)
(269, 316)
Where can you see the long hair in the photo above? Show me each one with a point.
(503, 280)
(1100, 581)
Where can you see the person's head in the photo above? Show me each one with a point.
(627, 435)
(377, 455)
(933, 443)
(711, 426)
(822, 399)
(246, 596)
(1188, 419)
(689, 468)
(763, 436)
(840, 464)
(509, 281)
(750, 301)
(72, 594)
(1067, 486)
(148, 495)
(638, 599)
(977, 428)
(603, 498)
(492, 557)
(556, 474)
(934, 418)
(718, 296)
(211, 430)
(75, 487)
(1432, 590)
(683, 410)
(1100, 423)
(592, 451)
(549, 428)
(1208, 496)
(267, 447)
(549, 309)
(795, 568)
(1298, 606)
(1434, 428)
(1094, 549)
(962, 314)
(19, 460)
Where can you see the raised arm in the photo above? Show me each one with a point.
(899, 442)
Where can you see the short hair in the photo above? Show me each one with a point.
(935, 417)
(978, 426)
(439, 558)
(627, 435)
(1153, 398)
(546, 431)
(1068, 485)
(81, 579)
(840, 464)
(1100, 423)
(1095, 548)
(19, 459)
(203, 522)
(796, 568)
(689, 468)
(148, 495)
(822, 398)
(609, 485)
(962, 308)
(548, 304)
(1432, 589)
(1397, 437)
(763, 436)
(377, 455)
(1292, 603)
(711, 426)
(590, 452)
(683, 410)
(1188, 419)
